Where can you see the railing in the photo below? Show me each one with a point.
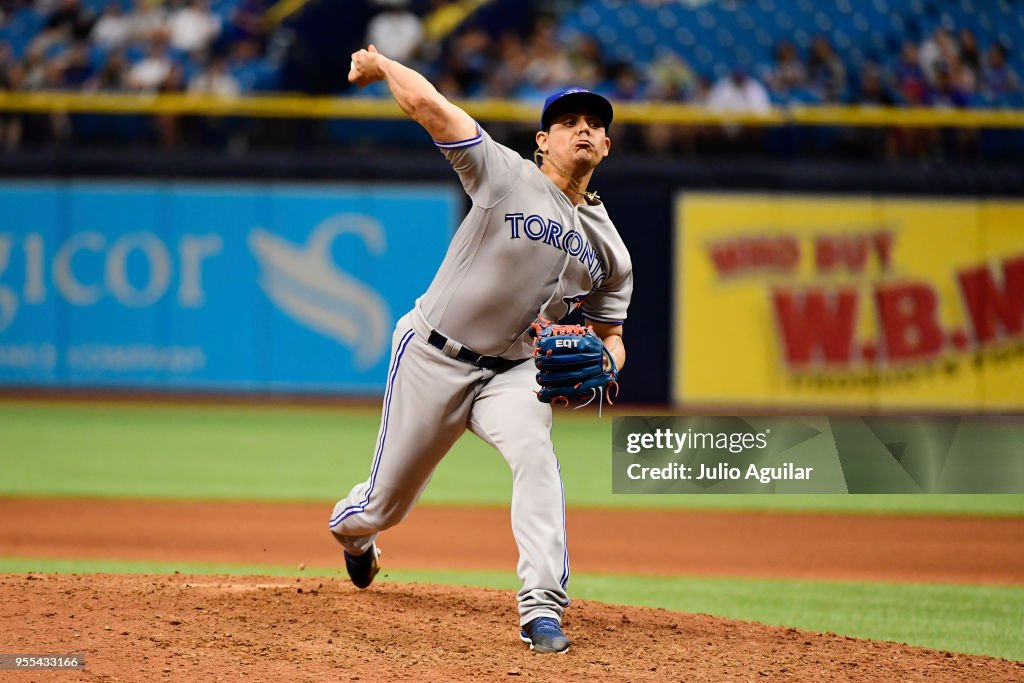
(513, 111)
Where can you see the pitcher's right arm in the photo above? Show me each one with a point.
(414, 94)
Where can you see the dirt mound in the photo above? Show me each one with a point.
(274, 629)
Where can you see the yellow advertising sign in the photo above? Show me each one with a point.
(874, 303)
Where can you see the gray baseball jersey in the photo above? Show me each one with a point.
(523, 250)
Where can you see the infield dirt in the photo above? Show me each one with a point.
(209, 628)
(218, 628)
(932, 549)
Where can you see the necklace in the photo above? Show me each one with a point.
(591, 196)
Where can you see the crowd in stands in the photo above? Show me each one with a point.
(945, 69)
(188, 46)
(151, 46)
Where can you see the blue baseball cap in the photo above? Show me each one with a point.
(573, 98)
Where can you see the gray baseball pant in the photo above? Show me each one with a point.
(430, 400)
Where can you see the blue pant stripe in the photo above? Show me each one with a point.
(565, 536)
(361, 506)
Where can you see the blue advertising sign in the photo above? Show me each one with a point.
(253, 287)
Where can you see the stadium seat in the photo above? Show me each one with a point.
(715, 36)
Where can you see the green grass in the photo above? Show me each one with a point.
(971, 619)
(317, 454)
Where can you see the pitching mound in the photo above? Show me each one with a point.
(279, 629)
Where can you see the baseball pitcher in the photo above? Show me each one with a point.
(536, 245)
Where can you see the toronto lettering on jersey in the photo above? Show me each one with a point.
(552, 233)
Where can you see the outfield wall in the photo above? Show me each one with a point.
(884, 303)
(215, 286)
(82, 266)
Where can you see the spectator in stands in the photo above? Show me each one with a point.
(113, 29)
(247, 22)
(243, 61)
(34, 66)
(912, 90)
(626, 85)
(10, 80)
(77, 66)
(467, 61)
(873, 90)
(53, 76)
(53, 126)
(193, 27)
(174, 81)
(70, 21)
(998, 78)
(149, 73)
(946, 92)
(169, 126)
(509, 69)
(826, 71)
(739, 93)
(964, 79)
(396, 31)
(450, 86)
(215, 79)
(672, 79)
(969, 52)
(702, 92)
(949, 92)
(6, 62)
(949, 69)
(549, 66)
(148, 21)
(113, 75)
(937, 53)
(788, 72)
(910, 77)
(587, 62)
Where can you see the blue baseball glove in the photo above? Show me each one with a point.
(573, 365)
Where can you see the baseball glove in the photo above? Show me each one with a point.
(572, 366)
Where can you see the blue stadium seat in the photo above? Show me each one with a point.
(625, 53)
(97, 56)
(714, 36)
(646, 36)
(685, 36)
(627, 17)
(589, 16)
(20, 28)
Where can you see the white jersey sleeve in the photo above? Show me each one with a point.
(488, 171)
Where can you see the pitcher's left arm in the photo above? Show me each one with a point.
(611, 335)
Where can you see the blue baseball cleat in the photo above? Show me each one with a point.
(362, 568)
(544, 634)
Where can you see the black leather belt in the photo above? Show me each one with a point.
(466, 355)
